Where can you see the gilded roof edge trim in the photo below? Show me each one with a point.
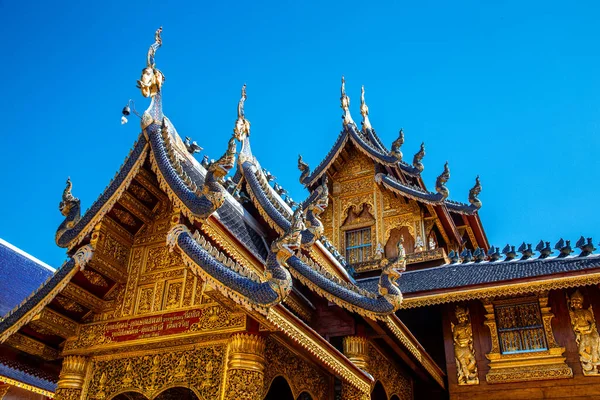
(26, 386)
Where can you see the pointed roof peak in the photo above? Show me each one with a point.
(242, 125)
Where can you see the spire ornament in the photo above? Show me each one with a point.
(345, 104)
(474, 194)
(440, 183)
(364, 110)
(152, 78)
(242, 125)
(304, 169)
(418, 157)
(396, 144)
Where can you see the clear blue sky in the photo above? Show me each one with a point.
(509, 90)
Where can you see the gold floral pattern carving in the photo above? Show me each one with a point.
(244, 385)
(160, 258)
(134, 269)
(300, 374)
(200, 369)
(395, 381)
(94, 278)
(68, 304)
(124, 217)
(141, 193)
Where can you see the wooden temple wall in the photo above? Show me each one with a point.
(537, 381)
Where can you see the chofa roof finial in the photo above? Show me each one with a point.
(396, 144)
(474, 194)
(152, 79)
(242, 125)
(364, 110)
(417, 159)
(440, 183)
(345, 104)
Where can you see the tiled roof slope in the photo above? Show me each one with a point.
(451, 276)
(25, 272)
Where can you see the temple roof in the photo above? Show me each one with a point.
(26, 275)
(14, 374)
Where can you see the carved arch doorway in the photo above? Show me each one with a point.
(130, 396)
(378, 392)
(279, 390)
(177, 393)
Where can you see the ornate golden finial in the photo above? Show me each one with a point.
(152, 79)
(242, 125)
(396, 144)
(474, 194)
(345, 104)
(364, 110)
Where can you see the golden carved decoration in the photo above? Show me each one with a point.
(356, 349)
(72, 373)
(245, 367)
(94, 278)
(547, 363)
(83, 297)
(68, 304)
(350, 392)
(124, 217)
(32, 346)
(301, 375)
(3, 390)
(145, 299)
(141, 193)
(9, 381)
(135, 265)
(584, 327)
(322, 350)
(161, 258)
(464, 353)
(173, 296)
(394, 380)
(200, 368)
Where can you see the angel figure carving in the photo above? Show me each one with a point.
(586, 334)
(462, 337)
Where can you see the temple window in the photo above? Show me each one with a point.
(520, 327)
(358, 245)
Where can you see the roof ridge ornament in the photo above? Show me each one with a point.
(418, 157)
(345, 104)
(242, 125)
(304, 169)
(364, 110)
(70, 208)
(474, 194)
(564, 248)
(586, 248)
(440, 183)
(152, 78)
(396, 144)
(544, 249)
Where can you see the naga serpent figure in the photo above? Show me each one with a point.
(213, 189)
(281, 250)
(390, 272)
(417, 159)
(440, 183)
(70, 208)
(314, 207)
(474, 193)
(304, 169)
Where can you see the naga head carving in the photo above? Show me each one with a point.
(286, 246)
(319, 204)
(396, 144)
(68, 200)
(474, 193)
(223, 165)
(302, 166)
(152, 78)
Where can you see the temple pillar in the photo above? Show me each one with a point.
(3, 389)
(71, 378)
(245, 367)
(356, 348)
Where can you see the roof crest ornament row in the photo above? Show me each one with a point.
(364, 110)
(345, 104)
